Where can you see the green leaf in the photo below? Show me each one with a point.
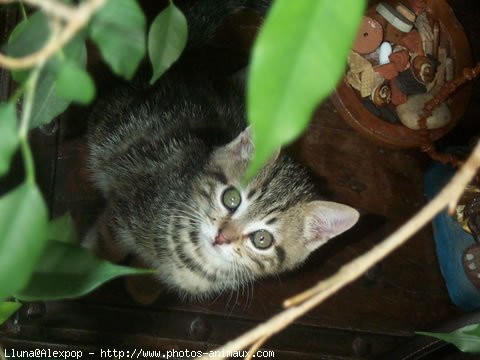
(63, 229)
(73, 83)
(29, 36)
(48, 103)
(298, 58)
(8, 129)
(118, 29)
(7, 309)
(166, 39)
(23, 229)
(467, 339)
(68, 271)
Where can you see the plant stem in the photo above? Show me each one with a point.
(27, 107)
(22, 10)
(27, 160)
(18, 92)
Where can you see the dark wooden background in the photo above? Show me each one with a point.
(377, 313)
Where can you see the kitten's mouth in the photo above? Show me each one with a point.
(220, 245)
(217, 246)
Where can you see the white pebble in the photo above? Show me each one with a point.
(409, 113)
(385, 51)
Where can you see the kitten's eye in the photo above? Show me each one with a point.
(261, 239)
(231, 198)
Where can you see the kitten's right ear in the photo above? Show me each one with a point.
(325, 220)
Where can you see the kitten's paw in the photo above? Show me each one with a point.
(144, 289)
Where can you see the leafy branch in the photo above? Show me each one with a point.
(46, 56)
(76, 18)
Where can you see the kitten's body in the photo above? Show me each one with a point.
(164, 158)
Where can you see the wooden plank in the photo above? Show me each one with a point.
(80, 324)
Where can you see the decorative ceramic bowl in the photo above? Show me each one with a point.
(349, 103)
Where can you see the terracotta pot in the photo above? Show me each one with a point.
(349, 103)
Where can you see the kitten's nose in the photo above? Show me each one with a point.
(228, 232)
(221, 239)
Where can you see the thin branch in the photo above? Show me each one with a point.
(448, 196)
(307, 300)
(23, 12)
(51, 7)
(255, 347)
(79, 18)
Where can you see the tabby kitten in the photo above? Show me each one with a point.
(169, 160)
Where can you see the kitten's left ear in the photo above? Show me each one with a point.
(325, 220)
(242, 146)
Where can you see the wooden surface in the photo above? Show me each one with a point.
(375, 314)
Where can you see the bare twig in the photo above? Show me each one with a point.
(449, 196)
(302, 303)
(78, 18)
(51, 7)
(255, 347)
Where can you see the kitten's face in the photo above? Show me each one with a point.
(266, 227)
